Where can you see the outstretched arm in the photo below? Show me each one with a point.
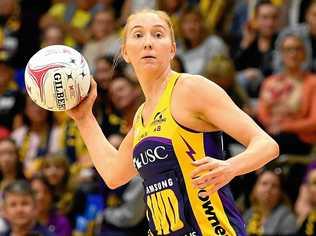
(115, 166)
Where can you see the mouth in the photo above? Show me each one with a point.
(146, 57)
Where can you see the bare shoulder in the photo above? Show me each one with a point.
(197, 86)
(191, 96)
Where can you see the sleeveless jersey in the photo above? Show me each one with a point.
(163, 154)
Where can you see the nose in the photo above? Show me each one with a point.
(148, 43)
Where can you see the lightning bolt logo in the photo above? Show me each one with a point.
(190, 150)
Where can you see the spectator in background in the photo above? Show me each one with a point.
(74, 17)
(19, 208)
(70, 201)
(9, 27)
(177, 64)
(173, 9)
(35, 137)
(296, 11)
(46, 214)
(196, 47)
(124, 214)
(11, 100)
(11, 168)
(28, 34)
(108, 117)
(253, 57)
(239, 18)
(68, 141)
(127, 216)
(269, 213)
(214, 13)
(125, 96)
(287, 102)
(53, 34)
(132, 6)
(104, 40)
(308, 222)
(308, 32)
(221, 70)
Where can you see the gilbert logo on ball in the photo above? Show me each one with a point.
(57, 78)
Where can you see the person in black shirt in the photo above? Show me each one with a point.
(11, 99)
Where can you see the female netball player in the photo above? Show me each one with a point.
(175, 143)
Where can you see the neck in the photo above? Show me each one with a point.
(22, 230)
(295, 72)
(195, 43)
(153, 83)
(264, 42)
(312, 31)
(38, 127)
(265, 209)
(9, 176)
(43, 217)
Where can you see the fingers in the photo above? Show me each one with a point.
(92, 90)
(203, 165)
(209, 177)
(209, 190)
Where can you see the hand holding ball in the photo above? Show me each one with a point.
(57, 78)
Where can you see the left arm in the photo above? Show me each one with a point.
(222, 113)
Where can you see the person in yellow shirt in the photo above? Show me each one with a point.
(74, 17)
(175, 143)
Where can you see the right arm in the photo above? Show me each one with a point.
(115, 166)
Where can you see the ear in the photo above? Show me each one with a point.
(173, 51)
(124, 54)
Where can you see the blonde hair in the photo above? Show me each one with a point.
(161, 14)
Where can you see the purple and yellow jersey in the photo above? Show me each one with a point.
(163, 155)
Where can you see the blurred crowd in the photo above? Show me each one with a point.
(261, 52)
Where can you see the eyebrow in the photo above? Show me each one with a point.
(140, 26)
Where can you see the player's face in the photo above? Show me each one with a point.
(267, 190)
(19, 209)
(148, 44)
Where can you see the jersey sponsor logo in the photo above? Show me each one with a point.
(211, 214)
(164, 209)
(158, 120)
(159, 186)
(150, 155)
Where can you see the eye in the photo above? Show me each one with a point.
(158, 35)
(137, 35)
